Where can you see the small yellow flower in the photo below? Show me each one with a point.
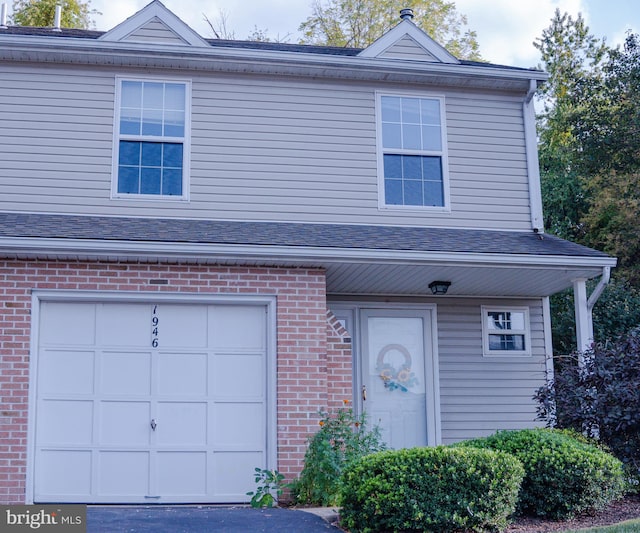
(345, 402)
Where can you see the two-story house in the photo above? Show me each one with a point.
(204, 243)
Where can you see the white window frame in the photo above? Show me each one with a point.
(443, 154)
(185, 141)
(526, 332)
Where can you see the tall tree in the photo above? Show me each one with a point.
(357, 23)
(41, 13)
(570, 54)
(590, 164)
(608, 134)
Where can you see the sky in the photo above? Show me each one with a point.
(505, 29)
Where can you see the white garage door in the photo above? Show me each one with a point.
(150, 402)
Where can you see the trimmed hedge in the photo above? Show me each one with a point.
(564, 475)
(440, 489)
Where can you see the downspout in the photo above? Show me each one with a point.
(531, 151)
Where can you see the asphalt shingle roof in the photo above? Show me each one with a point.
(224, 43)
(335, 236)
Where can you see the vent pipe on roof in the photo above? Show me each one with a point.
(3, 16)
(406, 14)
(57, 18)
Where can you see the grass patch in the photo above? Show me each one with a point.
(630, 526)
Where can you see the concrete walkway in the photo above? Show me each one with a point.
(203, 519)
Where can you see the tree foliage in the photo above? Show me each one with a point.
(615, 313)
(41, 13)
(570, 54)
(590, 163)
(357, 23)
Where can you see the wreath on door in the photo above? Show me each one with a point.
(395, 377)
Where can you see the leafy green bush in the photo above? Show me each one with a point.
(440, 489)
(564, 475)
(270, 486)
(343, 438)
(600, 397)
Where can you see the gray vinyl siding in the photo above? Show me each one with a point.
(480, 395)
(261, 149)
(155, 31)
(407, 48)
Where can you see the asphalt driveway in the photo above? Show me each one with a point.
(203, 519)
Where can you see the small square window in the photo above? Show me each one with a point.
(506, 331)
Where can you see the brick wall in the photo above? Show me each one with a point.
(339, 363)
(303, 362)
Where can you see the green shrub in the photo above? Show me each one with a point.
(440, 489)
(343, 438)
(564, 475)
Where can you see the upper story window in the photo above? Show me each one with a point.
(506, 331)
(152, 129)
(412, 151)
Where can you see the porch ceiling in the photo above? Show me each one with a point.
(466, 280)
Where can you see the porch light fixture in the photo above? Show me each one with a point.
(439, 287)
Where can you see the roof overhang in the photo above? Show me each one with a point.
(67, 50)
(349, 271)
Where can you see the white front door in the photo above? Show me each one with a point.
(398, 375)
(150, 402)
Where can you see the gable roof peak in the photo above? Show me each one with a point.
(164, 19)
(406, 28)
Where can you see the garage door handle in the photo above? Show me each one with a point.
(153, 424)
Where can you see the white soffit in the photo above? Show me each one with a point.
(153, 13)
(400, 32)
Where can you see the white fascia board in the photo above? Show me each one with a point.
(298, 254)
(94, 52)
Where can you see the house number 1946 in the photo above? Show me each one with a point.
(154, 327)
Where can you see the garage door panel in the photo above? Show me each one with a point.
(64, 472)
(238, 425)
(233, 473)
(183, 473)
(181, 423)
(238, 376)
(237, 327)
(65, 422)
(125, 423)
(124, 473)
(182, 326)
(125, 373)
(149, 402)
(124, 325)
(66, 371)
(68, 323)
(182, 374)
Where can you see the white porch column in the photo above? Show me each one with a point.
(584, 320)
